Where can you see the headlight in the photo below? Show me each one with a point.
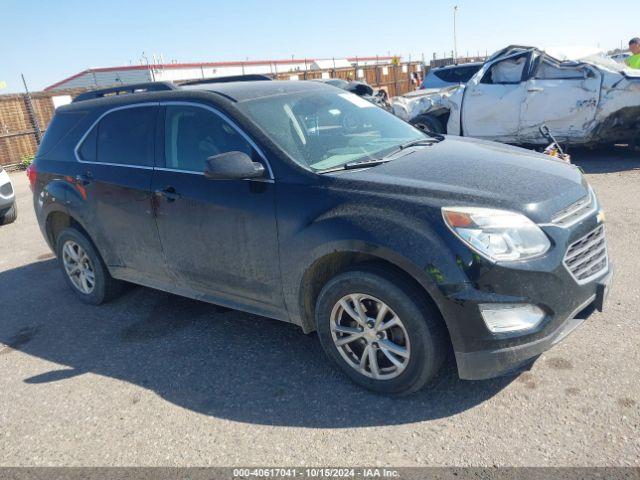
(499, 235)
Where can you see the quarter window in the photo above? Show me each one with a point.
(192, 134)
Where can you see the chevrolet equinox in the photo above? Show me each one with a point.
(305, 203)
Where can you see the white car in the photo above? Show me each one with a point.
(583, 97)
(621, 57)
(8, 207)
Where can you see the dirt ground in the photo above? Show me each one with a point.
(155, 379)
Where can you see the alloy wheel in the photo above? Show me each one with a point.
(370, 337)
(78, 267)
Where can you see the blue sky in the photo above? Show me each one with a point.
(50, 40)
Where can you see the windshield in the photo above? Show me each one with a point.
(323, 129)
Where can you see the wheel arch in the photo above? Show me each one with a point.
(57, 221)
(329, 265)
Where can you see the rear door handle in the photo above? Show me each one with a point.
(84, 179)
(169, 193)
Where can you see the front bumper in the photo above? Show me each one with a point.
(481, 365)
(545, 282)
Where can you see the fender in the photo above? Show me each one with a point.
(414, 247)
(63, 195)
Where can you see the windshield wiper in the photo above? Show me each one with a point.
(436, 136)
(372, 161)
(413, 143)
(364, 164)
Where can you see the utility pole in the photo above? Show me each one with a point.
(455, 33)
(32, 112)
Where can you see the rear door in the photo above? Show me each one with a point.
(219, 236)
(564, 97)
(115, 163)
(493, 98)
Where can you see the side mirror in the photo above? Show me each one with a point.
(232, 166)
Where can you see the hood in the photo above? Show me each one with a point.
(468, 172)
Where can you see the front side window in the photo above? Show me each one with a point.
(192, 134)
(322, 129)
(506, 72)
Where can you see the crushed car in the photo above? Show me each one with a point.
(378, 97)
(522, 93)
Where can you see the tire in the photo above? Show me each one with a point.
(103, 286)
(428, 123)
(426, 343)
(10, 216)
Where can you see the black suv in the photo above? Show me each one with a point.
(305, 203)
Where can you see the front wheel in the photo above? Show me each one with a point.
(84, 270)
(381, 331)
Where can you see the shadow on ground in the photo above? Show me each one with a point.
(608, 160)
(213, 361)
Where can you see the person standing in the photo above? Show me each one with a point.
(634, 60)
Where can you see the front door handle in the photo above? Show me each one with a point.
(169, 193)
(535, 89)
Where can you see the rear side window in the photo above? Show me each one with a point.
(122, 137)
(89, 147)
(465, 74)
(447, 75)
(126, 137)
(548, 71)
(192, 134)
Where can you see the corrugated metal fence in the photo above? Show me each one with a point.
(18, 127)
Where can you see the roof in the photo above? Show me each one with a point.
(235, 91)
(244, 91)
(168, 66)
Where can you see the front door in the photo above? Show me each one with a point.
(492, 100)
(219, 236)
(563, 97)
(116, 160)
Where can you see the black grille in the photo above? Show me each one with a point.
(587, 257)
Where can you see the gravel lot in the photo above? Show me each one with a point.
(155, 379)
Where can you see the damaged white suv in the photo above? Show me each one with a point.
(583, 97)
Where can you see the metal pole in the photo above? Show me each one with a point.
(32, 112)
(455, 33)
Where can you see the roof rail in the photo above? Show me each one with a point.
(233, 78)
(125, 90)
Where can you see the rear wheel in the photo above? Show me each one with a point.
(428, 123)
(380, 331)
(10, 215)
(84, 269)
